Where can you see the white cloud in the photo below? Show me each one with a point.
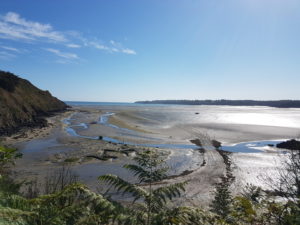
(59, 53)
(128, 51)
(112, 47)
(96, 45)
(12, 26)
(73, 46)
(10, 49)
(119, 48)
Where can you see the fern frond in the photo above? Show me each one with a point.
(123, 185)
(14, 202)
(10, 216)
(137, 170)
(162, 194)
(174, 216)
(149, 159)
(76, 204)
(147, 176)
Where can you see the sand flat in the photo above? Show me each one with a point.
(46, 150)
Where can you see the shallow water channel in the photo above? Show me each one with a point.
(245, 147)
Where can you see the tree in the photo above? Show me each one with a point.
(59, 179)
(221, 204)
(286, 183)
(7, 158)
(252, 193)
(148, 202)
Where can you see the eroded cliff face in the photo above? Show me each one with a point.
(24, 105)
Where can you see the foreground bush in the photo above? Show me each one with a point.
(75, 204)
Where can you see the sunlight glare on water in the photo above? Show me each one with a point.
(267, 116)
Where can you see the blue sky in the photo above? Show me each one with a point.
(144, 50)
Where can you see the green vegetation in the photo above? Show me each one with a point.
(7, 156)
(222, 202)
(23, 104)
(70, 203)
(152, 207)
(8, 81)
(71, 160)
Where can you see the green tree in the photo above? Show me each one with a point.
(149, 202)
(7, 158)
(222, 202)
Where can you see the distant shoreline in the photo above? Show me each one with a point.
(274, 103)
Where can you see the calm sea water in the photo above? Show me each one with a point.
(129, 104)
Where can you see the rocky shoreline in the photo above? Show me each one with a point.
(36, 122)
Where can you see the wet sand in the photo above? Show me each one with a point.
(46, 149)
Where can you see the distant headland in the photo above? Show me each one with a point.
(273, 103)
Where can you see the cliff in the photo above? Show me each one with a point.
(24, 105)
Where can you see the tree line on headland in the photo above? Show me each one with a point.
(271, 103)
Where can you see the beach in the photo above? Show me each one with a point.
(87, 130)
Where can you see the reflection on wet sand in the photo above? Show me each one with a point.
(76, 133)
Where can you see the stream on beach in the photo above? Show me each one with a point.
(246, 147)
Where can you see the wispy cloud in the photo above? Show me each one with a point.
(65, 55)
(10, 49)
(119, 48)
(73, 45)
(97, 45)
(12, 26)
(111, 47)
(128, 51)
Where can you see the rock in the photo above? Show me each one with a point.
(196, 142)
(290, 144)
(216, 144)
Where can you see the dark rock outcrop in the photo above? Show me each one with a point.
(290, 144)
(23, 105)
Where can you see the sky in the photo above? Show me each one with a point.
(124, 51)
